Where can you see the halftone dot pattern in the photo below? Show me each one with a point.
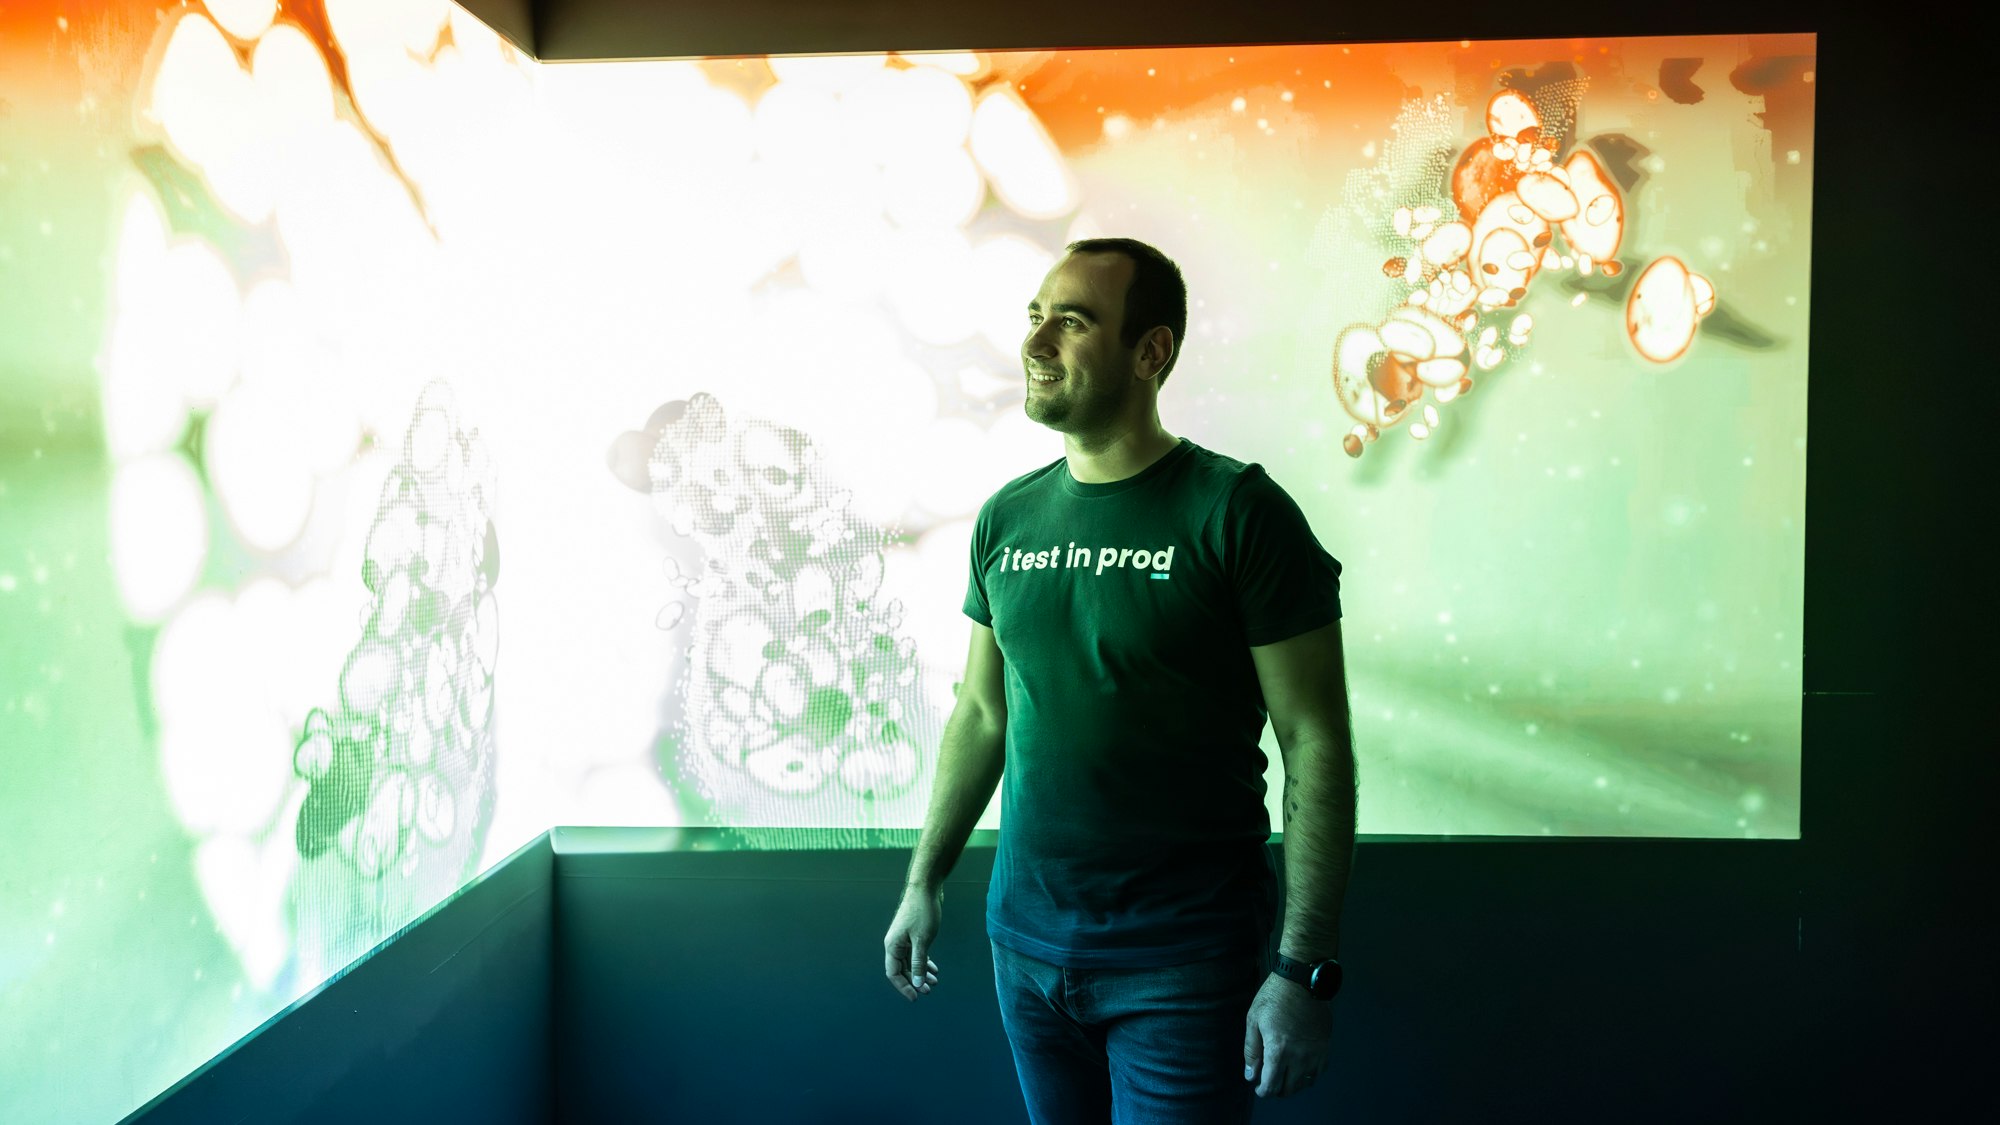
(801, 706)
(1556, 103)
(1414, 169)
(400, 769)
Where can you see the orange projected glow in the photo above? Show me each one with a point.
(1513, 196)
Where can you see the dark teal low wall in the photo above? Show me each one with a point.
(1545, 980)
(748, 986)
(640, 975)
(446, 1022)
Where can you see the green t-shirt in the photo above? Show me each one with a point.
(1133, 825)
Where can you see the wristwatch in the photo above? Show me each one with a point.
(1321, 978)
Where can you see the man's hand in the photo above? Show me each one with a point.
(1286, 1037)
(907, 944)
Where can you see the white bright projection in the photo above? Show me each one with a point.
(367, 347)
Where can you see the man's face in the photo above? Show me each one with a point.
(1073, 326)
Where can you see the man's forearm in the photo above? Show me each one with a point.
(1319, 810)
(969, 767)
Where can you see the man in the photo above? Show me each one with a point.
(1139, 605)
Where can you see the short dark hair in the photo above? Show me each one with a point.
(1157, 295)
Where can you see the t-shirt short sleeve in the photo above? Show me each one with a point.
(1285, 582)
(976, 605)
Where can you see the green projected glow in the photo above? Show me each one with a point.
(405, 447)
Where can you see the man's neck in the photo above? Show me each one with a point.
(1120, 461)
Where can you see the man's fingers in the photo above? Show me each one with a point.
(898, 971)
(1271, 1069)
(1284, 1077)
(1279, 1078)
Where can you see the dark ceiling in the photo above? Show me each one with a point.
(577, 30)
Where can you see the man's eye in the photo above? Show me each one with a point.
(1071, 321)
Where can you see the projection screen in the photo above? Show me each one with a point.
(409, 446)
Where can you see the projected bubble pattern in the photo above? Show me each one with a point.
(799, 695)
(283, 292)
(262, 288)
(1472, 259)
(403, 764)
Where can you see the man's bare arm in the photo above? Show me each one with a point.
(969, 762)
(1304, 680)
(1319, 814)
(969, 767)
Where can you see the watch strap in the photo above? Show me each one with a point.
(1301, 973)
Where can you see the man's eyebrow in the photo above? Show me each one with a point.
(1080, 310)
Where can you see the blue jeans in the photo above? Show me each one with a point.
(1160, 1046)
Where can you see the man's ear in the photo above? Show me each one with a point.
(1158, 343)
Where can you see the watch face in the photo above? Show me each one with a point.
(1326, 979)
